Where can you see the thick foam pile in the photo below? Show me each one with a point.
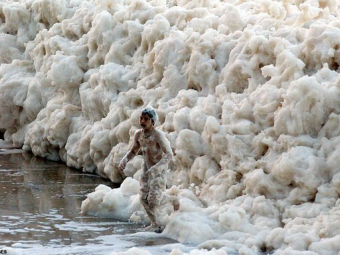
(246, 92)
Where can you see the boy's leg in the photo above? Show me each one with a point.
(149, 212)
(175, 202)
(157, 187)
(156, 195)
(143, 196)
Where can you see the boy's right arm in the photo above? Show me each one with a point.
(131, 153)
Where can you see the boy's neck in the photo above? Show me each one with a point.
(148, 130)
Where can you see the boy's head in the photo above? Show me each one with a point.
(148, 117)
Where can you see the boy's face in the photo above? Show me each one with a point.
(145, 121)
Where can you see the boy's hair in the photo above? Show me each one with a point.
(151, 112)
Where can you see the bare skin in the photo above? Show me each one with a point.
(152, 144)
(157, 153)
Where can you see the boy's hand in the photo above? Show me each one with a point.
(122, 164)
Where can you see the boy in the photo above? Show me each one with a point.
(157, 153)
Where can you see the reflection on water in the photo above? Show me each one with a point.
(37, 197)
(40, 205)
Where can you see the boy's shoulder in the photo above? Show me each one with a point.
(159, 133)
(138, 132)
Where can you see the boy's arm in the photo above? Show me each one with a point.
(131, 153)
(166, 148)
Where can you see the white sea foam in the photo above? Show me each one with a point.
(246, 92)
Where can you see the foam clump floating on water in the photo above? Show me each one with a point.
(120, 203)
(138, 251)
(10, 251)
(133, 251)
(246, 92)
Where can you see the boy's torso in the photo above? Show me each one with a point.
(150, 148)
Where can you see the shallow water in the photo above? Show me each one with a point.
(40, 211)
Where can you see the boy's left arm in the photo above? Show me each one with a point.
(166, 148)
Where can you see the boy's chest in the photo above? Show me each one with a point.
(149, 145)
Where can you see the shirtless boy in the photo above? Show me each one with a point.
(157, 153)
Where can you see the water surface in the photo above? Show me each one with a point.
(40, 205)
